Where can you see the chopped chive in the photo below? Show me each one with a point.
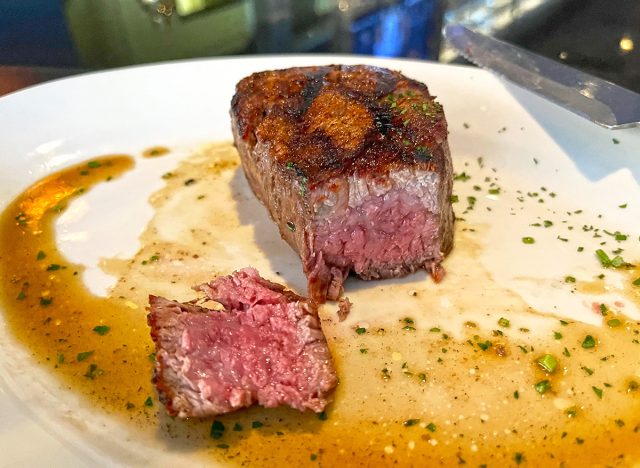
(40, 255)
(605, 261)
(431, 427)
(410, 422)
(322, 416)
(60, 358)
(557, 335)
(93, 371)
(256, 424)
(516, 394)
(569, 279)
(503, 322)
(548, 362)
(435, 330)
(291, 227)
(636, 282)
(597, 391)
(542, 387)
(587, 370)
(53, 267)
(615, 141)
(148, 402)
(45, 301)
(94, 164)
(528, 240)
(361, 330)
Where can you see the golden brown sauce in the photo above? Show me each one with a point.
(49, 309)
(155, 151)
(407, 396)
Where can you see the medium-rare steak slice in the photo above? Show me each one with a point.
(264, 347)
(353, 164)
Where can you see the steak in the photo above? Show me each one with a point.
(353, 165)
(264, 346)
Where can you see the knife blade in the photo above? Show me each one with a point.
(598, 100)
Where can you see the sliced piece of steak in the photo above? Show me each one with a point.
(353, 164)
(264, 347)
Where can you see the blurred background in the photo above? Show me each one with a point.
(60, 37)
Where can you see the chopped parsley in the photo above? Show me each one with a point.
(93, 371)
(84, 356)
(431, 427)
(217, 430)
(410, 422)
(40, 255)
(503, 322)
(256, 424)
(528, 240)
(101, 329)
(148, 402)
(597, 391)
(588, 342)
(361, 330)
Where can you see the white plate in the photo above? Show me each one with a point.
(185, 104)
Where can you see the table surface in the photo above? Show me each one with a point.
(15, 78)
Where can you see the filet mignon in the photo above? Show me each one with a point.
(265, 346)
(353, 164)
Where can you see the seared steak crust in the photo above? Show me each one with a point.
(264, 347)
(354, 166)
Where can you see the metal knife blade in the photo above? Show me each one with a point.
(598, 100)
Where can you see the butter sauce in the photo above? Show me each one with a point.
(429, 374)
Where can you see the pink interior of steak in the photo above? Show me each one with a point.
(263, 348)
(374, 240)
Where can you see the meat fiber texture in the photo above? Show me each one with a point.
(353, 165)
(265, 346)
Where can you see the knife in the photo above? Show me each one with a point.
(598, 100)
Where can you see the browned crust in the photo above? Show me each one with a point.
(322, 121)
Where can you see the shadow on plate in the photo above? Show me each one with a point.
(596, 151)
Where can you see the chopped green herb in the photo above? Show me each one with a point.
(361, 331)
(523, 349)
(547, 223)
(101, 329)
(516, 394)
(605, 261)
(148, 402)
(322, 416)
(636, 282)
(130, 405)
(494, 191)
(189, 181)
(40, 255)
(53, 267)
(313, 457)
(94, 164)
(548, 362)
(21, 295)
(256, 424)
(557, 335)
(410, 422)
(217, 430)
(615, 141)
(614, 322)
(462, 177)
(597, 391)
(45, 301)
(223, 446)
(518, 458)
(291, 227)
(484, 345)
(569, 279)
(93, 371)
(237, 427)
(528, 240)
(60, 358)
(364, 350)
(588, 342)
(409, 328)
(580, 249)
(431, 427)
(619, 422)
(587, 370)
(83, 356)
(503, 322)
(454, 199)
(624, 205)
(571, 412)
(564, 323)
(167, 175)
(542, 387)
(435, 330)
(152, 357)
